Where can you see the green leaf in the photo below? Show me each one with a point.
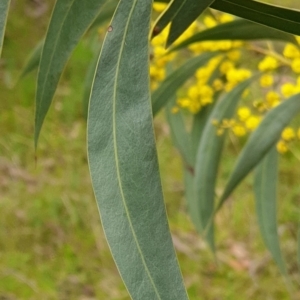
(4, 6)
(33, 60)
(88, 82)
(70, 19)
(187, 13)
(208, 158)
(265, 185)
(246, 31)
(179, 134)
(284, 19)
(176, 79)
(181, 14)
(123, 160)
(261, 141)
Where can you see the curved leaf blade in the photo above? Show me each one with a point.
(33, 60)
(280, 18)
(70, 19)
(208, 158)
(123, 161)
(176, 79)
(4, 6)
(261, 141)
(179, 134)
(187, 13)
(247, 30)
(265, 185)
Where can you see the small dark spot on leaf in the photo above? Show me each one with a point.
(156, 31)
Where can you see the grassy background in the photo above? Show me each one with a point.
(51, 241)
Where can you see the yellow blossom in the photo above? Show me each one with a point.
(226, 66)
(268, 63)
(239, 130)
(202, 75)
(266, 80)
(259, 105)
(217, 84)
(224, 18)
(288, 89)
(193, 92)
(205, 91)
(272, 99)
(159, 7)
(282, 147)
(296, 65)
(209, 22)
(184, 102)
(243, 113)
(252, 122)
(224, 45)
(288, 134)
(291, 51)
(238, 75)
(234, 55)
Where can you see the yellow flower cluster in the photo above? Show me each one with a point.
(288, 135)
(200, 90)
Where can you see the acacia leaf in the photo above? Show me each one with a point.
(123, 160)
(4, 6)
(265, 190)
(277, 17)
(179, 135)
(247, 30)
(186, 14)
(208, 159)
(261, 141)
(70, 19)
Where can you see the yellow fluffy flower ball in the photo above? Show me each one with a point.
(268, 63)
(282, 147)
(288, 134)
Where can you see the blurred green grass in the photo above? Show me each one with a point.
(51, 242)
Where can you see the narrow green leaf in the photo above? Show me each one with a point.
(246, 31)
(166, 17)
(208, 158)
(189, 193)
(176, 79)
(70, 19)
(281, 18)
(88, 82)
(33, 60)
(265, 186)
(179, 134)
(261, 141)
(4, 6)
(123, 160)
(34, 57)
(187, 13)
